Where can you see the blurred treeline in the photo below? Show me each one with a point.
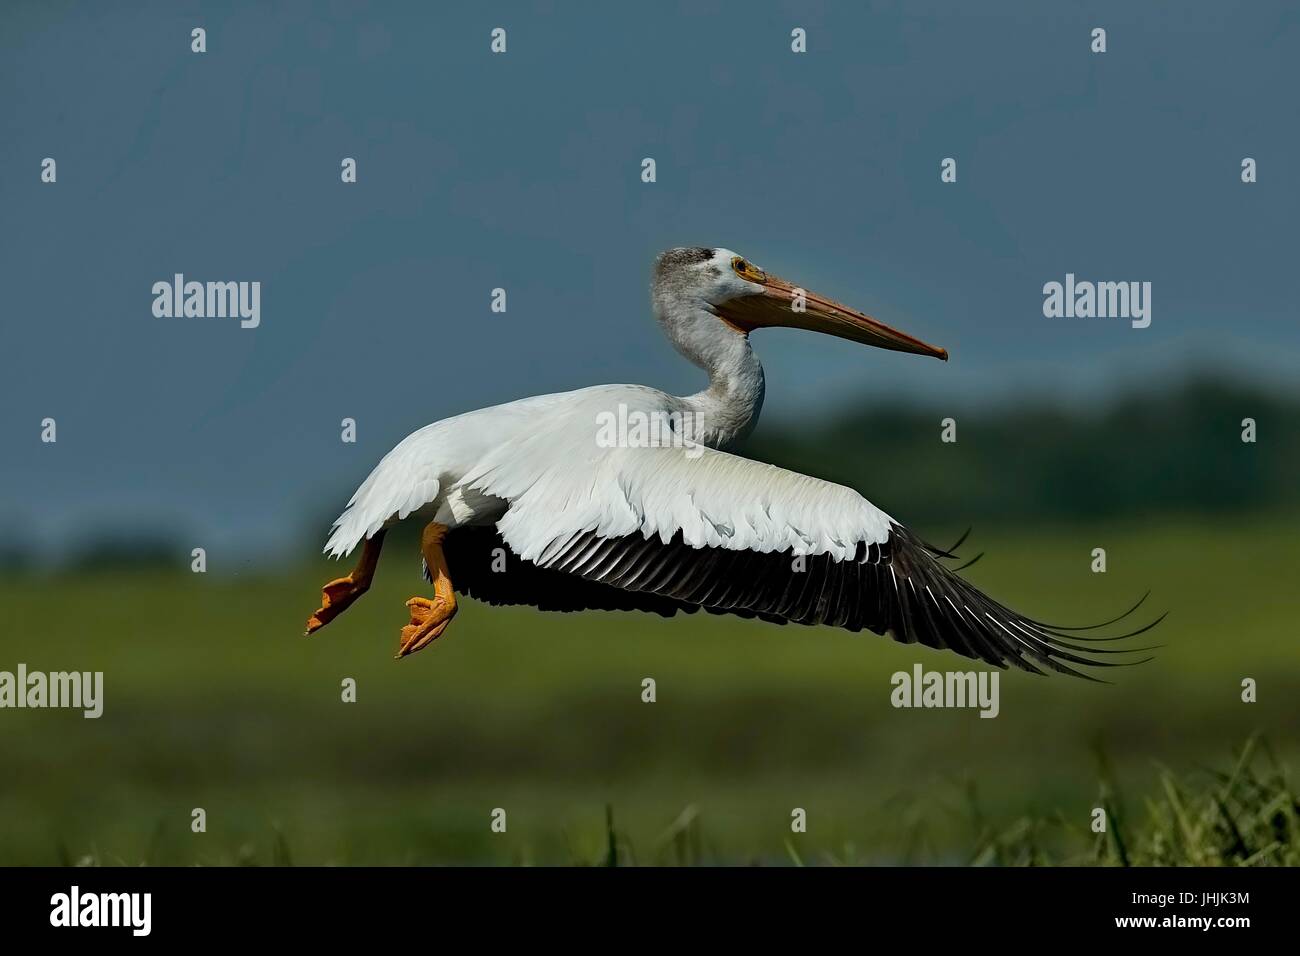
(1178, 450)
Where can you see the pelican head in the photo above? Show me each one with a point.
(744, 297)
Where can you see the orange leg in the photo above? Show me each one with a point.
(429, 618)
(338, 595)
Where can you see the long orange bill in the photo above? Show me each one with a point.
(783, 304)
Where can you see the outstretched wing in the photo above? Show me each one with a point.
(699, 528)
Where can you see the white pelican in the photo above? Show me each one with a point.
(537, 502)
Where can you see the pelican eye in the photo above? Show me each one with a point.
(747, 270)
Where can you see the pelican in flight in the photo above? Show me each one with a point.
(589, 514)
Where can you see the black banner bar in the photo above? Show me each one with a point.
(329, 905)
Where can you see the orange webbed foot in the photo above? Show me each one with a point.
(336, 597)
(429, 618)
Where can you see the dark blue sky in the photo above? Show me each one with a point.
(522, 170)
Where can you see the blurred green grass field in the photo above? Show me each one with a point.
(214, 700)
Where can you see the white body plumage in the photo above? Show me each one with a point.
(539, 470)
